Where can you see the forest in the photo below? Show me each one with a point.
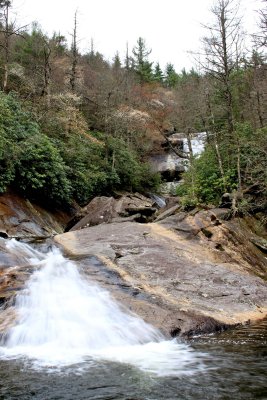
(74, 125)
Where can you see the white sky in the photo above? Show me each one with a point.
(170, 27)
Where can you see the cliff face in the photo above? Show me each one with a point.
(186, 273)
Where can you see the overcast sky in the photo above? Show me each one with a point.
(170, 27)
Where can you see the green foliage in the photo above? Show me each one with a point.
(203, 182)
(253, 160)
(14, 123)
(14, 127)
(7, 169)
(28, 160)
(87, 168)
(158, 74)
(41, 172)
(141, 65)
(171, 76)
(126, 171)
(66, 165)
(59, 158)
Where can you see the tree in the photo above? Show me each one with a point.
(74, 56)
(37, 56)
(8, 30)
(222, 55)
(141, 65)
(127, 61)
(223, 50)
(116, 62)
(261, 37)
(158, 74)
(171, 76)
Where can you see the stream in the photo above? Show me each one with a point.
(72, 341)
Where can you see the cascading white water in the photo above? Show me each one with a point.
(63, 319)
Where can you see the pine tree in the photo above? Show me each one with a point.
(172, 77)
(116, 61)
(158, 74)
(141, 65)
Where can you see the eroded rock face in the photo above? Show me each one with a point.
(13, 275)
(186, 274)
(21, 218)
(108, 209)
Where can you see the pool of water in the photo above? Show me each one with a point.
(234, 366)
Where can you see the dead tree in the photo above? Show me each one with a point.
(74, 56)
(7, 29)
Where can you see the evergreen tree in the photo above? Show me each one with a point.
(141, 65)
(158, 74)
(171, 76)
(116, 61)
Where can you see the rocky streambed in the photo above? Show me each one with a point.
(185, 273)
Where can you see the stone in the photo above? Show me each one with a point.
(182, 285)
(107, 209)
(260, 243)
(186, 274)
(21, 218)
(167, 212)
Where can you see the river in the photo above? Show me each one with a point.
(72, 341)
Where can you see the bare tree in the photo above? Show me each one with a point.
(223, 50)
(261, 36)
(7, 29)
(74, 56)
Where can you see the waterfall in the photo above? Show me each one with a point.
(62, 320)
(159, 200)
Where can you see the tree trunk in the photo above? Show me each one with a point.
(239, 169)
(73, 74)
(47, 75)
(220, 163)
(6, 48)
(259, 109)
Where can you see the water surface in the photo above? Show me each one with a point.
(72, 341)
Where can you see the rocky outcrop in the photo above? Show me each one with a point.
(168, 165)
(171, 155)
(186, 273)
(189, 273)
(128, 206)
(21, 218)
(14, 272)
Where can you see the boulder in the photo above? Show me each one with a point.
(167, 212)
(108, 209)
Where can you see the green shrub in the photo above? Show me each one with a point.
(126, 170)
(29, 162)
(41, 172)
(203, 182)
(59, 166)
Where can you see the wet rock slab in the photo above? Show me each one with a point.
(177, 279)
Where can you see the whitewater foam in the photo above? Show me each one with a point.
(64, 320)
